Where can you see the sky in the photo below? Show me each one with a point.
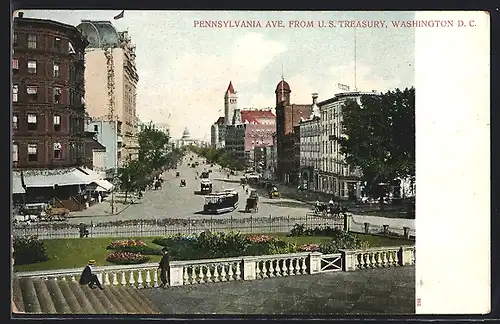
(185, 70)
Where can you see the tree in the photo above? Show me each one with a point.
(132, 176)
(153, 148)
(379, 138)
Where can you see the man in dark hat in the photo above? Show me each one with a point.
(164, 267)
(88, 278)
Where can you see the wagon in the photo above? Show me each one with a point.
(252, 205)
(55, 214)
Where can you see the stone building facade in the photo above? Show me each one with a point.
(48, 92)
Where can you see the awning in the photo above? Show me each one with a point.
(103, 185)
(50, 178)
(17, 185)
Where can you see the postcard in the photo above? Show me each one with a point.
(173, 163)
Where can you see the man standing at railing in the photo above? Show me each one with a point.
(164, 267)
(88, 278)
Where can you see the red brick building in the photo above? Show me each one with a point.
(47, 91)
(288, 117)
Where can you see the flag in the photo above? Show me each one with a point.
(120, 15)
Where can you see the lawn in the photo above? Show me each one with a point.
(74, 253)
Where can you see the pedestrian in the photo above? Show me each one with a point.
(89, 278)
(164, 267)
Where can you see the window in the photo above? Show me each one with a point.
(32, 122)
(57, 151)
(31, 67)
(96, 128)
(15, 155)
(71, 97)
(71, 50)
(57, 123)
(32, 92)
(15, 41)
(15, 119)
(15, 90)
(32, 41)
(57, 95)
(57, 70)
(32, 153)
(57, 44)
(15, 66)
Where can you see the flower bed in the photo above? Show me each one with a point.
(126, 258)
(134, 246)
(309, 247)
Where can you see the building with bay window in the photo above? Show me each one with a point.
(48, 121)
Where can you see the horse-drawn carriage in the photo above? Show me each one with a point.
(328, 209)
(183, 183)
(177, 174)
(43, 212)
(252, 205)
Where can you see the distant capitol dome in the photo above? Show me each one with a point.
(186, 134)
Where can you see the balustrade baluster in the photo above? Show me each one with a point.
(216, 273)
(73, 278)
(238, 271)
(124, 279)
(148, 278)
(192, 275)
(376, 256)
(264, 269)
(106, 279)
(258, 271)
(278, 268)
(271, 269)
(396, 258)
(202, 275)
(131, 279)
(186, 276)
(303, 267)
(155, 278)
(63, 278)
(293, 264)
(223, 273)
(115, 279)
(139, 279)
(390, 260)
(285, 268)
(362, 261)
(230, 274)
(209, 274)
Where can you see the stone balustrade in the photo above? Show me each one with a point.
(239, 268)
(378, 257)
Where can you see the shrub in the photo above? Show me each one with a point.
(29, 250)
(341, 241)
(297, 230)
(126, 258)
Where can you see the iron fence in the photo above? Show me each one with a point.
(157, 228)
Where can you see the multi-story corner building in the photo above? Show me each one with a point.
(217, 133)
(310, 155)
(335, 176)
(111, 80)
(287, 117)
(48, 120)
(47, 94)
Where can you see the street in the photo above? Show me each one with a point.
(176, 202)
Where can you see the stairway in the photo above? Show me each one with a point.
(40, 296)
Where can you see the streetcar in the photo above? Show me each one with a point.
(206, 186)
(221, 202)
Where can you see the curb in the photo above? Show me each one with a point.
(101, 215)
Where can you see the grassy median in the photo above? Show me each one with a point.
(75, 252)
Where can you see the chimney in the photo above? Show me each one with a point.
(315, 98)
(20, 14)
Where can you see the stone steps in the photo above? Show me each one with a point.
(41, 296)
